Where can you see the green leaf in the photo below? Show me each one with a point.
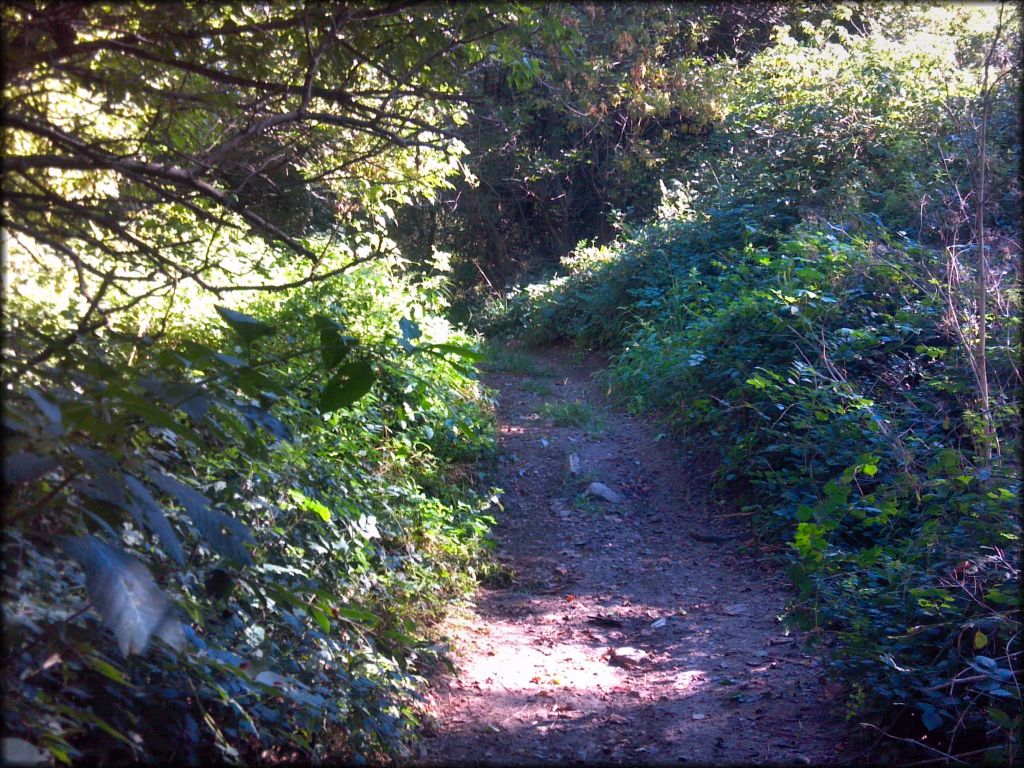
(226, 535)
(125, 594)
(310, 505)
(334, 347)
(410, 329)
(984, 663)
(154, 416)
(186, 397)
(320, 618)
(49, 410)
(352, 381)
(949, 458)
(25, 467)
(456, 349)
(356, 615)
(247, 327)
(91, 717)
(149, 514)
(931, 717)
(1000, 718)
(108, 670)
(261, 417)
(998, 597)
(254, 383)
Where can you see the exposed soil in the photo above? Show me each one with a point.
(634, 632)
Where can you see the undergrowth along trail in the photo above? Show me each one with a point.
(647, 629)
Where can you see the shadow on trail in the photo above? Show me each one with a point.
(622, 638)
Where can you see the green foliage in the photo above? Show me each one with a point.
(263, 499)
(293, 511)
(822, 369)
(579, 131)
(779, 307)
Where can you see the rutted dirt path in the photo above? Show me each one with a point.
(635, 632)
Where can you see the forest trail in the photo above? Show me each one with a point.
(636, 632)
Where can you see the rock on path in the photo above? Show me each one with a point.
(623, 637)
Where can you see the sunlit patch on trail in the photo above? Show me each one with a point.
(620, 636)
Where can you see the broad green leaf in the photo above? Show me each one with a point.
(230, 360)
(320, 618)
(82, 416)
(154, 416)
(186, 397)
(149, 514)
(349, 383)
(247, 327)
(262, 418)
(356, 614)
(226, 535)
(49, 409)
(1000, 718)
(124, 593)
(334, 347)
(310, 505)
(25, 467)
(410, 329)
(931, 718)
(456, 349)
(949, 458)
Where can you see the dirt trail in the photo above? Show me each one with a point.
(622, 638)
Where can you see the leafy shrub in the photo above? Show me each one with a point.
(822, 364)
(283, 515)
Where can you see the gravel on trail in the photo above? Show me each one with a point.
(643, 631)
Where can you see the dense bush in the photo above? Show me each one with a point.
(295, 532)
(838, 401)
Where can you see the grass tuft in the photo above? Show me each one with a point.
(577, 413)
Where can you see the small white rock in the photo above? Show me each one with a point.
(602, 491)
